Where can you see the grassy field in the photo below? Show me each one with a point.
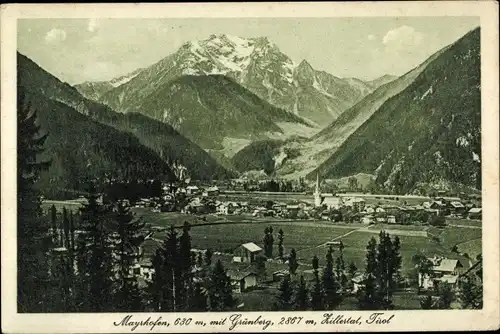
(452, 236)
(471, 247)
(225, 237)
(464, 222)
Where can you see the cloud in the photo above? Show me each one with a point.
(371, 37)
(92, 25)
(402, 37)
(55, 36)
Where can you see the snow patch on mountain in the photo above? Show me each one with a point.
(120, 81)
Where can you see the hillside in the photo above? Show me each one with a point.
(255, 63)
(207, 109)
(309, 154)
(171, 146)
(429, 132)
(95, 90)
(82, 149)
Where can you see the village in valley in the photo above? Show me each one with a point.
(263, 238)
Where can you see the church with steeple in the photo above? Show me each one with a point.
(318, 200)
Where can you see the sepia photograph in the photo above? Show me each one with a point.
(192, 165)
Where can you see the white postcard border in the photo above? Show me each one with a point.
(449, 320)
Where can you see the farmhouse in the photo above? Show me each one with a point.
(242, 280)
(358, 283)
(475, 213)
(280, 275)
(457, 207)
(212, 191)
(248, 252)
(192, 190)
(441, 270)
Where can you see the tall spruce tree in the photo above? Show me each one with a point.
(301, 301)
(185, 278)
(171, 268)
(426, 303)
(316, 293)
(293, 264)
(281, 236)
(446, 296)
(340, 270)
(285, 296)
(368, 297)
(33, 237)
(95, 262)
(208, 257)
(384, 273)
(471, 294)
(53, 223)
(199, 299)
(156, 287)
(128, 297)
(220, 293)
(332, 297)
(65, 224)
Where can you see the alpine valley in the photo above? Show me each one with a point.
(226, 91)
(227, 105)
(422, 128)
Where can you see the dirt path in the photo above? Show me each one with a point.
(465, 226)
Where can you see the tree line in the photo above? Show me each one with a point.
(86, 261)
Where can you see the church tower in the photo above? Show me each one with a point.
(317, 193)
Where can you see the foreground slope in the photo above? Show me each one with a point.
(428, 133)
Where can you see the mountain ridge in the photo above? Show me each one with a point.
(160, 137)
(436, 133)
(255, 63)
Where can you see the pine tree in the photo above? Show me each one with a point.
(95, 263)
(301, 301)
(316, 293)
(446, 296)
(208, 257)
(285, 296)
(156, 288)
(368, 297)
(33, 237)
(184, 279)
(66, 229)
(260, 268)
(199, 299)
(426, 303)
(53, 223)
(268, 242)
(281, 235)
(340, 267)
(171, 268)
(128, 297)
(384, 273)
(396, 262)
(471, 294)
(330, 285)
(292, 262)
(351, 270)
(220, 294)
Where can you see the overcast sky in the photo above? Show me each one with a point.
(77, 50)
